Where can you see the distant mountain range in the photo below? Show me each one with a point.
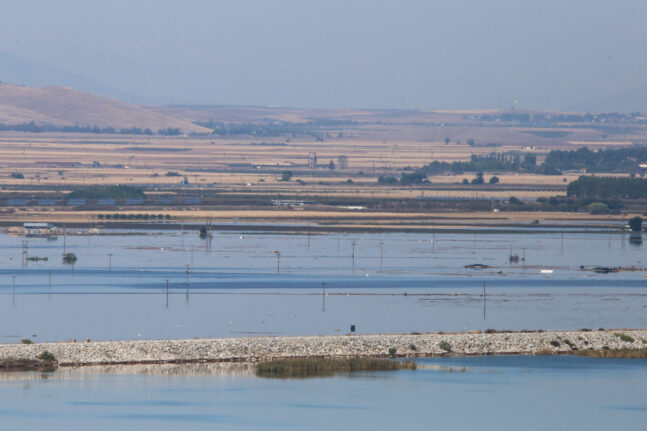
(21, 71)
(634, 100)
(64, 106)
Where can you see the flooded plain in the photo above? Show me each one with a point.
(241, 283)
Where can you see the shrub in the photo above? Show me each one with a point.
(412, 347)
(100, 216)
(444, 345)
(17, 176)
(392, 351)
(319, 367)
(635, 224)
(47, 356)
(26, 341)
(494, 180)
(286, 175)
(69, 258)
(387, 180)
(555, 343)
(625, 337)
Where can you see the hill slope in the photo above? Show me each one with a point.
(64, 106)
(22, 71)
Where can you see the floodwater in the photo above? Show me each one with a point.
(484, 393)
(243, 284)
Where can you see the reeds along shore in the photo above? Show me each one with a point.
(260, 349)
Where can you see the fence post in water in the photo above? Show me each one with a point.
(278, 261)
(524, 258)
(187, 283)
(484, 301)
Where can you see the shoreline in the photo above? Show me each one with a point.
(257, 349)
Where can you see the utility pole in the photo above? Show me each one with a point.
(167, 293)
(484, 301)
(524, 258)
(187, 283)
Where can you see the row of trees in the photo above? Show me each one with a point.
(491, 163)
(32, 127)
(612, 160)
(99, 192)
(621, 160)
(608, 187)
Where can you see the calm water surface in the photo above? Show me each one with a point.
(234, 287)
(493, 393)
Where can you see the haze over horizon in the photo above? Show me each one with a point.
(342, 54)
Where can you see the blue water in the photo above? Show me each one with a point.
(493, 393)
(234, 286)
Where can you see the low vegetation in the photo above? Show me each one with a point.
(444, 345)
(69, 258)
(625, 337)
(46, 356)
(109, 192)
(318, 367)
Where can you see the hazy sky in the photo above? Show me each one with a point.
(341, 53)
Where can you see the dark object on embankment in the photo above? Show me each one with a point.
(319, 367)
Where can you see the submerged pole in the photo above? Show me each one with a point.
(484, 301)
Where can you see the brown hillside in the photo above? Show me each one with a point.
(64, 106)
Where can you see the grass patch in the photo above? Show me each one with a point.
(613, 353)
(318, 367)
(624, 337)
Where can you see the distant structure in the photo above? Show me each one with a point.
(312, 161)
(39, 229)
(342, 162)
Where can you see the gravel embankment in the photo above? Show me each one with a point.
(264, 348)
